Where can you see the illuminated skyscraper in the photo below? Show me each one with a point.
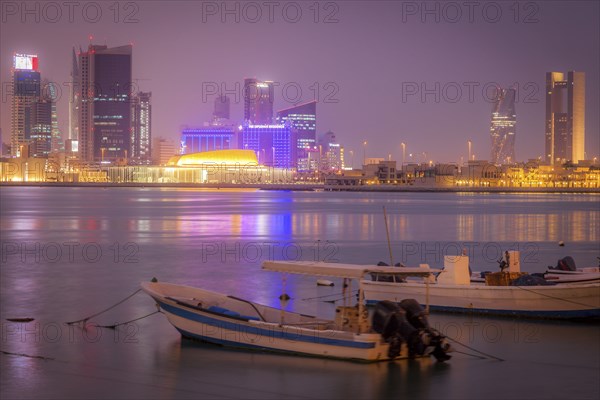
(50, 93)
(26, 90)
(503, 127)
(258, 101)
(303, 118)
(74, 95)
(141, 130)
(39, 114)
(274, 145)
(331, 153)
(104, 103)
(565, 117)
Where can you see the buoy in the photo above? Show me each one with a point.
(284, 296)
(561, 243)
(324, 282)
(154, 280)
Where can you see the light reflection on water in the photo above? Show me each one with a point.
(217, 240)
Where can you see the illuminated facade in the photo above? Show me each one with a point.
(503, 127)
(52, 89)
(40, 130)
(26, 87)
(331, 153)
(218, 157)
(74, 98)
(565, 117)
(258, 101)
(303, 119)
(141, 130)
(207, 139)
(104, 103)
(162, 150)
(274, 145)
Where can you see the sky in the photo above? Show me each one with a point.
(384, 72)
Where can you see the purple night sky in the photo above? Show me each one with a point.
(366, 58)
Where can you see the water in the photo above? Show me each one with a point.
(68, 253)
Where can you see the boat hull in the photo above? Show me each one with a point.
(548, 302)
(268, 336)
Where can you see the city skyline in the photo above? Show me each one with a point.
(408, 97)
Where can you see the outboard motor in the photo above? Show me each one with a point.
(566, 264)
(438, 345)
(406, 323)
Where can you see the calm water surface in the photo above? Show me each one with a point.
(68, 253)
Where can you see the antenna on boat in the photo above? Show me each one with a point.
(387, 231)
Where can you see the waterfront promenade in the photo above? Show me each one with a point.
(316, 187)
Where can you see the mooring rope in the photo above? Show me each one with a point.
(103, 311)
(470, 348)
(128, 322)
(25, 355)
(556, 298)
(327, 295)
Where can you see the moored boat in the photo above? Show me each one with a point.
(453, 290)
(394, 330)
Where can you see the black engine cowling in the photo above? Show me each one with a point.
(407, 323)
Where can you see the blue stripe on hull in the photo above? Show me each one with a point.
(245, 346)
(266, 333)
(563, 314)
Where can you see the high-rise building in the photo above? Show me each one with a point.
(39, 115)
(207, 138)
(26, 85)
(50, 93)
(258, 101)
(104, 114)
(331, 154)
(565, 117)
(141, 130)
(503, 127)
(74, 95)
(221, 110)
(274, 145)
(302, 118)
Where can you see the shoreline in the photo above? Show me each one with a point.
(308, 187)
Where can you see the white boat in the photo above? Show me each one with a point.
(453, 291)
(583, 275)
(564, 272)
(392, 332)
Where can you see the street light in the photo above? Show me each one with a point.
(364, 152)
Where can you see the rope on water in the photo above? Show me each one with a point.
(25, 355)
(103, 311)
(469, 354)
(128, 322)
(471, 348)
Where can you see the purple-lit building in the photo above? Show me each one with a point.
(303, 119)
(207, 138)
(274, 144)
